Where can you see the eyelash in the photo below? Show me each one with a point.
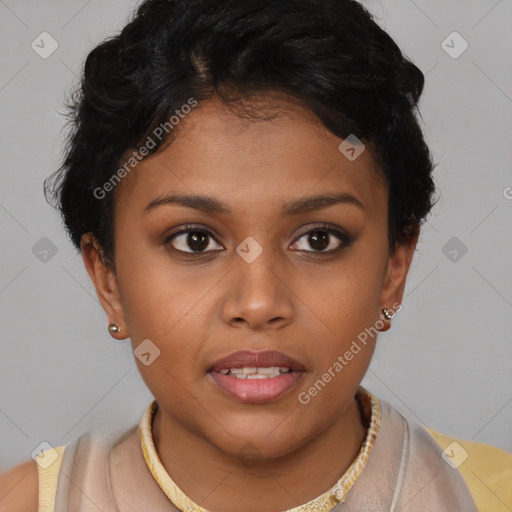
(341, 235)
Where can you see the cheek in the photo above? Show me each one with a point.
(144, 299)
(343, 307)
(165, 304)
(345, 300)
(344, 334)
(152, 290)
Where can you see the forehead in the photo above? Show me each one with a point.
(281, 153)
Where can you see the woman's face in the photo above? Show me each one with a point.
(263, 267)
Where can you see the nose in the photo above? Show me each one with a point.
(258, 296)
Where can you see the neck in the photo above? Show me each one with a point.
(218, 481)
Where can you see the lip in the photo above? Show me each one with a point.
(248, 358)
(257, 391)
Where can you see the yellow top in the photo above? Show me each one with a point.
(486, 470)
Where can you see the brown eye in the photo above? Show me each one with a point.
(322, 239)
(193, 240)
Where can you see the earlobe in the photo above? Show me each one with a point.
(105, 283)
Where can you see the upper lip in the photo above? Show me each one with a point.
(248, 358)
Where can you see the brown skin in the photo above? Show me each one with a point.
(200, 308)
(19, 488)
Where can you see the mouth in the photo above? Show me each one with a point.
(256, 372)
(256, 377)
(249, 360)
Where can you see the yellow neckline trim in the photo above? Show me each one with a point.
(323, 503)
(48, 467)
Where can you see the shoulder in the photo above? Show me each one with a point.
(19, 488)
(32, 485)
(487, 470)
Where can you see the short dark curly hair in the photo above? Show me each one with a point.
(329, 55)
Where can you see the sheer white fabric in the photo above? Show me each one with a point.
(404, 472)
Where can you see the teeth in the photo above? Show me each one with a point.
(256, 373)
(266, 371)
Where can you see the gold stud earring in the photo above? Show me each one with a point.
(113, 328)
(384, 324)
(387, 314)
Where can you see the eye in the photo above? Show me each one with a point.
(192, 240)
(321, 238)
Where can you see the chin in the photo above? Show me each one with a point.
(258, 443)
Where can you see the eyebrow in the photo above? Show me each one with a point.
(210, 205)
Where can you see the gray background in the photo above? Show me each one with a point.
(447, 359)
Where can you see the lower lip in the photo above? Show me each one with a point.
(257, 391)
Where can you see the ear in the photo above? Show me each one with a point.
(104, 279)
(396, 273)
